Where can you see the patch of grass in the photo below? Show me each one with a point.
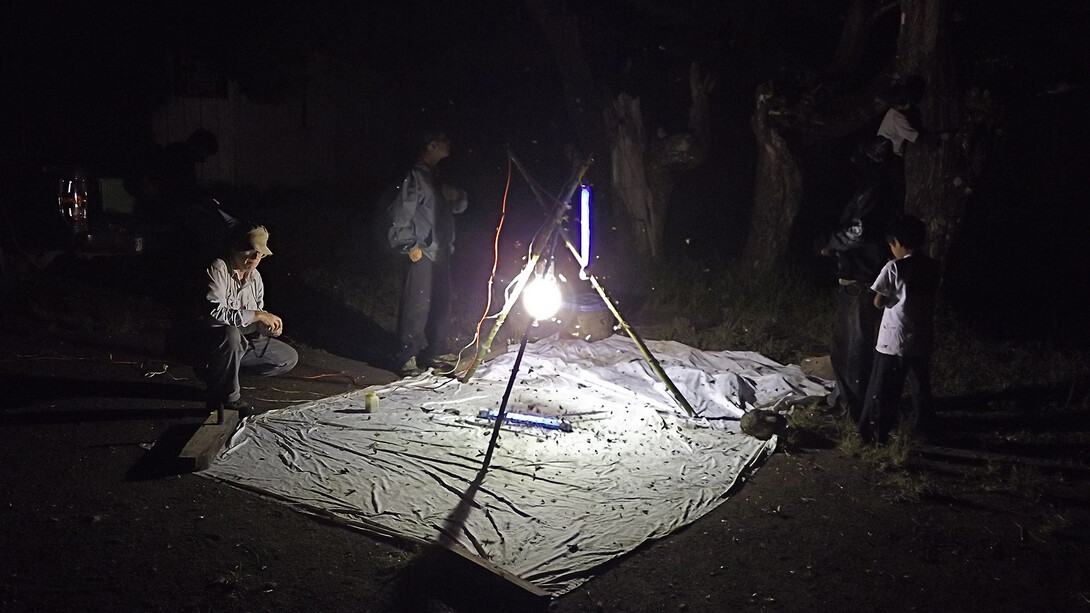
(810, 417)
(966, 364)
(1027, 482)
(1018, 480)
(1057, 526)
(848, 439)
(778, 313)
(896, 454)
(232, 579)
(909, 486)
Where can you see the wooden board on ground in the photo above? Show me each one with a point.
(207, 441)
(820, 366)
(531, 589)
(986, 456)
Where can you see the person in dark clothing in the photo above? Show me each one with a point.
(905, 290)
(884, 155)
(422, 230)
(193, 225)
(177, 172)
(899, 127)
(860, 253)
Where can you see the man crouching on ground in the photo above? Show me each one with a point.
(236, 332)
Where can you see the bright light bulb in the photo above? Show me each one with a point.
(542, 297)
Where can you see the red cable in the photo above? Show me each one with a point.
(495, 264)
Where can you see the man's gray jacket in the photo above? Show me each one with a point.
(421, 217)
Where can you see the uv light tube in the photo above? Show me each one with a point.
(552, 423)
(584, 230)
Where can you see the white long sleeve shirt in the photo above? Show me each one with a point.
(233, 301)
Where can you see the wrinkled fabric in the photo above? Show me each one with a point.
(553, 505)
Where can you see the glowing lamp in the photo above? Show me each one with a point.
(542, 297)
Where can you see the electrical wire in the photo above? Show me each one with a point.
(150, 368)
(354, 380)
(476, 342)
(539, 192)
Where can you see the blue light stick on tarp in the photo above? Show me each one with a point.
(528, 419)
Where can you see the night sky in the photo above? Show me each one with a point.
(83, 79)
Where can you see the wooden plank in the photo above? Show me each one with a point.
(988, 456)
(508, 576)
(207, 441)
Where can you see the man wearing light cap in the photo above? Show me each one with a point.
(237, 333)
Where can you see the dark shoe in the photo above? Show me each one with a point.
(409, 368)
(446, 361)
(251, 412)
(243, 408)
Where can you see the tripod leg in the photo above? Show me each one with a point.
(506, 396)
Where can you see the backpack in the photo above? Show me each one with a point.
(879, 149)
(381, 219)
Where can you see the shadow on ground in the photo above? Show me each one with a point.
(442, 580)
(163, 460)
(1032, 421)
(25, 390)
(322, 320)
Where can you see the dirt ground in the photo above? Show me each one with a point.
(95, 517)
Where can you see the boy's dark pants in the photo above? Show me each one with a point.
(424, 316)
(852, 349)
(881, 409)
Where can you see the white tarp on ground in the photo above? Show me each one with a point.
(553, 505)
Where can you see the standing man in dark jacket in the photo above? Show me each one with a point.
(422, 228)
(860, 251)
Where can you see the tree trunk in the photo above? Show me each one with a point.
(933, 190)
(853, 36)
(581, 99)
(624, 122)
(776, 192)
(678, 152)
(641, 174)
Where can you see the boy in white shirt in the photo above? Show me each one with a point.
(906, 290)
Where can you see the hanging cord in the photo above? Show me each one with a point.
(475, 343)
